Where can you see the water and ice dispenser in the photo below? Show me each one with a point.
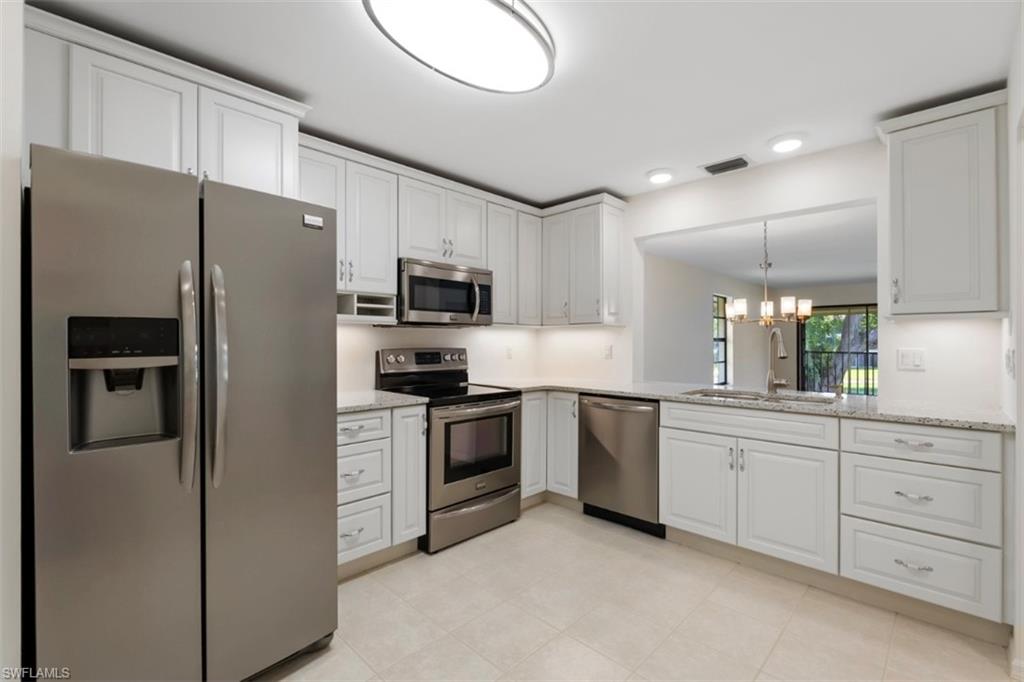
(123, 381)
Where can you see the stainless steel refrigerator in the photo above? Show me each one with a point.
(180, 470)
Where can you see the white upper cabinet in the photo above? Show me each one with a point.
(502, 249)
(943, 181)
(530, 289)
(466, 219)
(585, 265)
(125, 111)
(245, 144)
(322, 181)
(789, 503)
(371, 230)
(421, 225)
(613, 256)
(556, 269)
(563, 444)
(534, 440)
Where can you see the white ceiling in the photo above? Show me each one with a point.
(637, 85)
(820, 248)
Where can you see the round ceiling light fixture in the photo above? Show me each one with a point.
(659, 176)
(493, 45)
(783, 144)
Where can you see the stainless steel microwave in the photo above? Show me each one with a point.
(431, 293)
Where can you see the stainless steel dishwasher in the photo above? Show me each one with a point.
(619, 461)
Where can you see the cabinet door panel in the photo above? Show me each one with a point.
(467, 229)
(322, 181)
(530, 284)
(421, 225)
(128, 112)
(944, 230)
(789, 503)
(697, 481)
(563, 444)
(585, 265)
(534, 443)
(409, 485)
(371, 230)
(245, 144)
(556, 269)
(501, 260)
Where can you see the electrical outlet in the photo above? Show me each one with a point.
(1010, 361)
(911, 359)
(508, 352)
(609, 352)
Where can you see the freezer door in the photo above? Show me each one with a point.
(115, 518)
(269, 470)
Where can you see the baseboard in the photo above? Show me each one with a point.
(964, 623)
(356, 567)
(563, 501)
(532, 501)
(1017, 669)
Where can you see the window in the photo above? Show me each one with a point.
(719, 341)
(840, 345)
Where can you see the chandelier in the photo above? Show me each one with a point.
(790, 309)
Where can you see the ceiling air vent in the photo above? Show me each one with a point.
(726, 166)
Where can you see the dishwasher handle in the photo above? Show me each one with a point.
(617, 407)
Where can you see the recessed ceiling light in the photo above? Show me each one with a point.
(783, 144)
(659, 176)
(495, 45)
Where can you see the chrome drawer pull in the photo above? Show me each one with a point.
(914, 497)
(914, 443)
(732, 461)
(356, 533)
(913, 567)
(354, 474)
(346, 429)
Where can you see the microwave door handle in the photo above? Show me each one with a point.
(476, 299)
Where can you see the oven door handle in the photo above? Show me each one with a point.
(476, 298)
(447, 414)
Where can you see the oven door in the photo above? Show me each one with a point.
(439, 293)
(474, 450)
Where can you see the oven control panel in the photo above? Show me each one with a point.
(421, 359)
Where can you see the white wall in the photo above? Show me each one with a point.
(853, 174)
(11, 23)
(677, 325)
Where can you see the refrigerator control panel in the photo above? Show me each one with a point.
(119, 337)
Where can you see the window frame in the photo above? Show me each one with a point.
(718, 303)
(860, 308)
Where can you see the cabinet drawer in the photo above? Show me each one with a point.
(364, 527)
(952, 573)
(961, 503)
(358, 427)
(781, 427)
(933, 444)
(364, 470)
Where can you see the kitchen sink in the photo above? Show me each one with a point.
(761, 396)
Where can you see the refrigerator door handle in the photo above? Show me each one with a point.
(220, 340)
(190, 375)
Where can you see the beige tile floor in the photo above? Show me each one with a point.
(561, 596)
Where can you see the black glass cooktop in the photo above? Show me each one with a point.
(451, 394)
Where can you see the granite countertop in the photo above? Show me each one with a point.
(360, 401)
(851, 406)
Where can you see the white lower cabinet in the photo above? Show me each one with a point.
(952, 573)
(788, 502)
(534, 444)
(409, 482)
(382, 479)
(697, 483)
(563, 444)
(364, 527)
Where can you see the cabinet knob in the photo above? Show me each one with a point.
(206, 176)
(190, 171)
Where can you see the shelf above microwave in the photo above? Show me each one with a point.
(356, 308)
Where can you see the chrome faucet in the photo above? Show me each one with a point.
(773, 383)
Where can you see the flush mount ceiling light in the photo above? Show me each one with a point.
(783, 144)
(659, 176)
(494, 45)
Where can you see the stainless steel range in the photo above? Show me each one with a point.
(473, 442)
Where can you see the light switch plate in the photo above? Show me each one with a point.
(911, 359)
